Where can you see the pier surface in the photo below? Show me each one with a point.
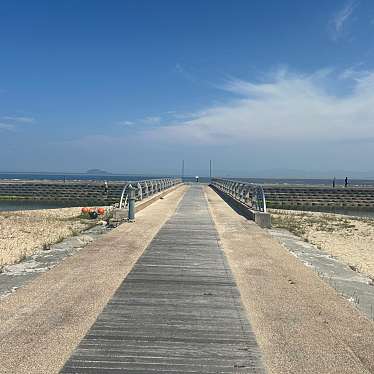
(190, 286)
(178, 311)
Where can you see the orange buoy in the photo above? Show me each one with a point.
(101, 211)
(85, 210)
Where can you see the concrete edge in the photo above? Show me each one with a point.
(140, 205)
(260, 218)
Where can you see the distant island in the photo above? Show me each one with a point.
(97, 172)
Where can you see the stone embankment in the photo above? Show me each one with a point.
(304, 196)
(81, 192)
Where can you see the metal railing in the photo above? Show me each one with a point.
(248, 193)
(146, 188)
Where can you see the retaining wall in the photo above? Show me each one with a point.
(77, 191)
(262, 219)
(279, 196)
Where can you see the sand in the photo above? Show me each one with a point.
(349, 239)
(22, 233)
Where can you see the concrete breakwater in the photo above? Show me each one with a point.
(295, 196)
(94, 192)
(81, 192)
(78, 192)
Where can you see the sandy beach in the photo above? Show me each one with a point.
(349, 239)
(22, 233)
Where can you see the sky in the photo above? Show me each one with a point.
(261, 87)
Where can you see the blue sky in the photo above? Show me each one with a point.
(260, 87)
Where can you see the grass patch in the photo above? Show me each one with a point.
(299, 223)
(289, 223)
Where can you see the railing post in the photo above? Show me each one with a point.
(140, 191)
(122, 196)
(131, 198)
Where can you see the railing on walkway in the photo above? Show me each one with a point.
(248, 193)
(147, 188)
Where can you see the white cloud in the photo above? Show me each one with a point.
(148, 120)
(10, 123)
(19, 119)
(183, 72)
(6, 126)
(340, 19)
(125, 123)
(326, 117)
(151, 120)
(288, 107)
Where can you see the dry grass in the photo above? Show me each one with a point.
(347, 238)
(22, 233)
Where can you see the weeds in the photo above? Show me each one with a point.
(289, 223)
(299, 223)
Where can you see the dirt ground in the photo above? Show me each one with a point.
(22, 233)
(349, 239)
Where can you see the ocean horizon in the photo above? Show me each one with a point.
(187, 178)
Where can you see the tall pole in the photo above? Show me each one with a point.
(182, 170)
(210, 169)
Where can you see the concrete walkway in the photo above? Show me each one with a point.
(42, 322)
(176, 307)
(302, 325)
(178, 310)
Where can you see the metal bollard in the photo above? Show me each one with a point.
(131, 198)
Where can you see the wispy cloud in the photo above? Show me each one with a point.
(340, 18)
(6, 126)
(19, 119)
(182, 71)
(290, 107)
(10, 123)
(125, 123)
(151, 120)
(285, 110)
(147, 120)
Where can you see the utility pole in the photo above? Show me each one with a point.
(210, 169)
(182, 170)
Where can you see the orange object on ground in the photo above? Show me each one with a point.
(101, 211)
(85, 210)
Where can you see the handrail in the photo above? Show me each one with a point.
(146, 188)
(250, 194)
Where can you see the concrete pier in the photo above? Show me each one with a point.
(178, 311)
(192, 287)
(93, 192)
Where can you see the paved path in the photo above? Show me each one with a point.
(302, 325)
(178, 310)
(43, 322)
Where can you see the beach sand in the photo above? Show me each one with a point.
(349, 239)
(22, 233)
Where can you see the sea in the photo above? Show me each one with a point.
(203, 179)
(12, 205)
